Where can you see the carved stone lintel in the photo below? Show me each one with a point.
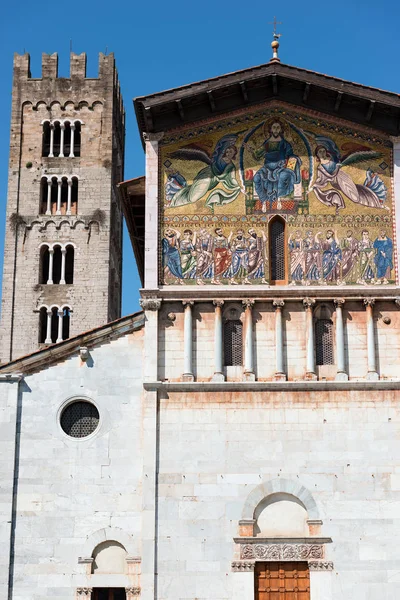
(397, 302)
(188, 302)
(281, 551)
(278, 303)
(132, 592)
(150, 303)
(248, 302)
(369, 301)
(153, 137)
(338, 301)
(219, 303)
(84, 592)
(243, 566)
(308, 303)
(320, 566)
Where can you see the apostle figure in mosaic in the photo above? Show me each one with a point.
(312, 258)
(350, 254)
(240, 257)
(222, 255)
(366, 263)
(204, 256)
(220, 171)
(330, 163)
(281, 170)
(171, 258)
(331, 257)
(383, 259)
(188, 254)
(256, 249)
(297, 266)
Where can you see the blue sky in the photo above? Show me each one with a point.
(161, 45)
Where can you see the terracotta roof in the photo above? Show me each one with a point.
(45, 357)
(189, 103)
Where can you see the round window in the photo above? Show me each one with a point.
(79, 419)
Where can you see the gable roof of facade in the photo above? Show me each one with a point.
(187, 104)
(45, 357)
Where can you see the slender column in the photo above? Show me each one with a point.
(340, 359)
(369, 307)
(71, 148)
(48, 327)
(51, 257)
(249, 374)
(48, 210)
(218, 342)
(51, 151)
(58, 211)
(310, 367)
(188, 342)
(69, 197)
(280, 374)
(60, 314)
(63, 256)
(62, 129)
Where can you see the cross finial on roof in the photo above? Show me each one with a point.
(275, 43)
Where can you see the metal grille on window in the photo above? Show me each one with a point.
(233, 343)
(277, 246)
(80, 419)
(324, 341)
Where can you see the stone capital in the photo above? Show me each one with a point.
(242, 566)
(150, 303)
(132, 592)
(338, 301)
(369, 301)
(219, 303)
(320, 566)
(248, 302)
(278, 303)
(187, 303)
(153, 137)
(84, 592)
(308, 303)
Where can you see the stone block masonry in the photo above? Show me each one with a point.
(95, 230)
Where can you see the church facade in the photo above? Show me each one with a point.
(239, 438)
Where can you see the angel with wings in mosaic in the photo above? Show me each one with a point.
(330, 162)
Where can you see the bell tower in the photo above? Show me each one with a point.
(63, 244)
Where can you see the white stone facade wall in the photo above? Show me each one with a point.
(69, 490)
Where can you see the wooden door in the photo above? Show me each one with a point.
(282, 581)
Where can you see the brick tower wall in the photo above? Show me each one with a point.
(95, 231)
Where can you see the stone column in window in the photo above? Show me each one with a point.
(188, 342)
(310, 349)
(341, 367)
(50, 274)
(71, 148)
(48, 209)
(249, 374)
(63, 258)
(280, 374)
(218, 342)
(58, 211)
(69, 197)
(62, 129)
(51, 151)
(48, 327)
(369, 307)
(60, 314)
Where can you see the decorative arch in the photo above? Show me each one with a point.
(109, 534)
(275, 486)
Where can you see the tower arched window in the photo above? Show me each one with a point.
(233, 343)
(277, 251)
(61, 138)
(56, 264)
(54, 324)
(69, 264)
(59, 196)
(324, 342)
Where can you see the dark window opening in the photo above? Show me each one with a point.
(233, 343)
(54, 325)
(277, 250)
(54, 194)
(77, 139)
(324, 342)
(74, 196)
(65, 323)
(69, 264)
(80, 419)
(46, 139)
(57, 139)
(109, 594)
(43, 196)
(67, 138)
(44, 265)
(42, 325)
(57, 258)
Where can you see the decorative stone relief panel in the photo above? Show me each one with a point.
(281, 551)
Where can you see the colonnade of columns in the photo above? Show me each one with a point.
(69, 196)
(60, 316)
(62, 136)
(280, 374)
(51, 266)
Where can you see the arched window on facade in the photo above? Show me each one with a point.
(277, 251)
(324, 341)
(233, 343)
(54, 324)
